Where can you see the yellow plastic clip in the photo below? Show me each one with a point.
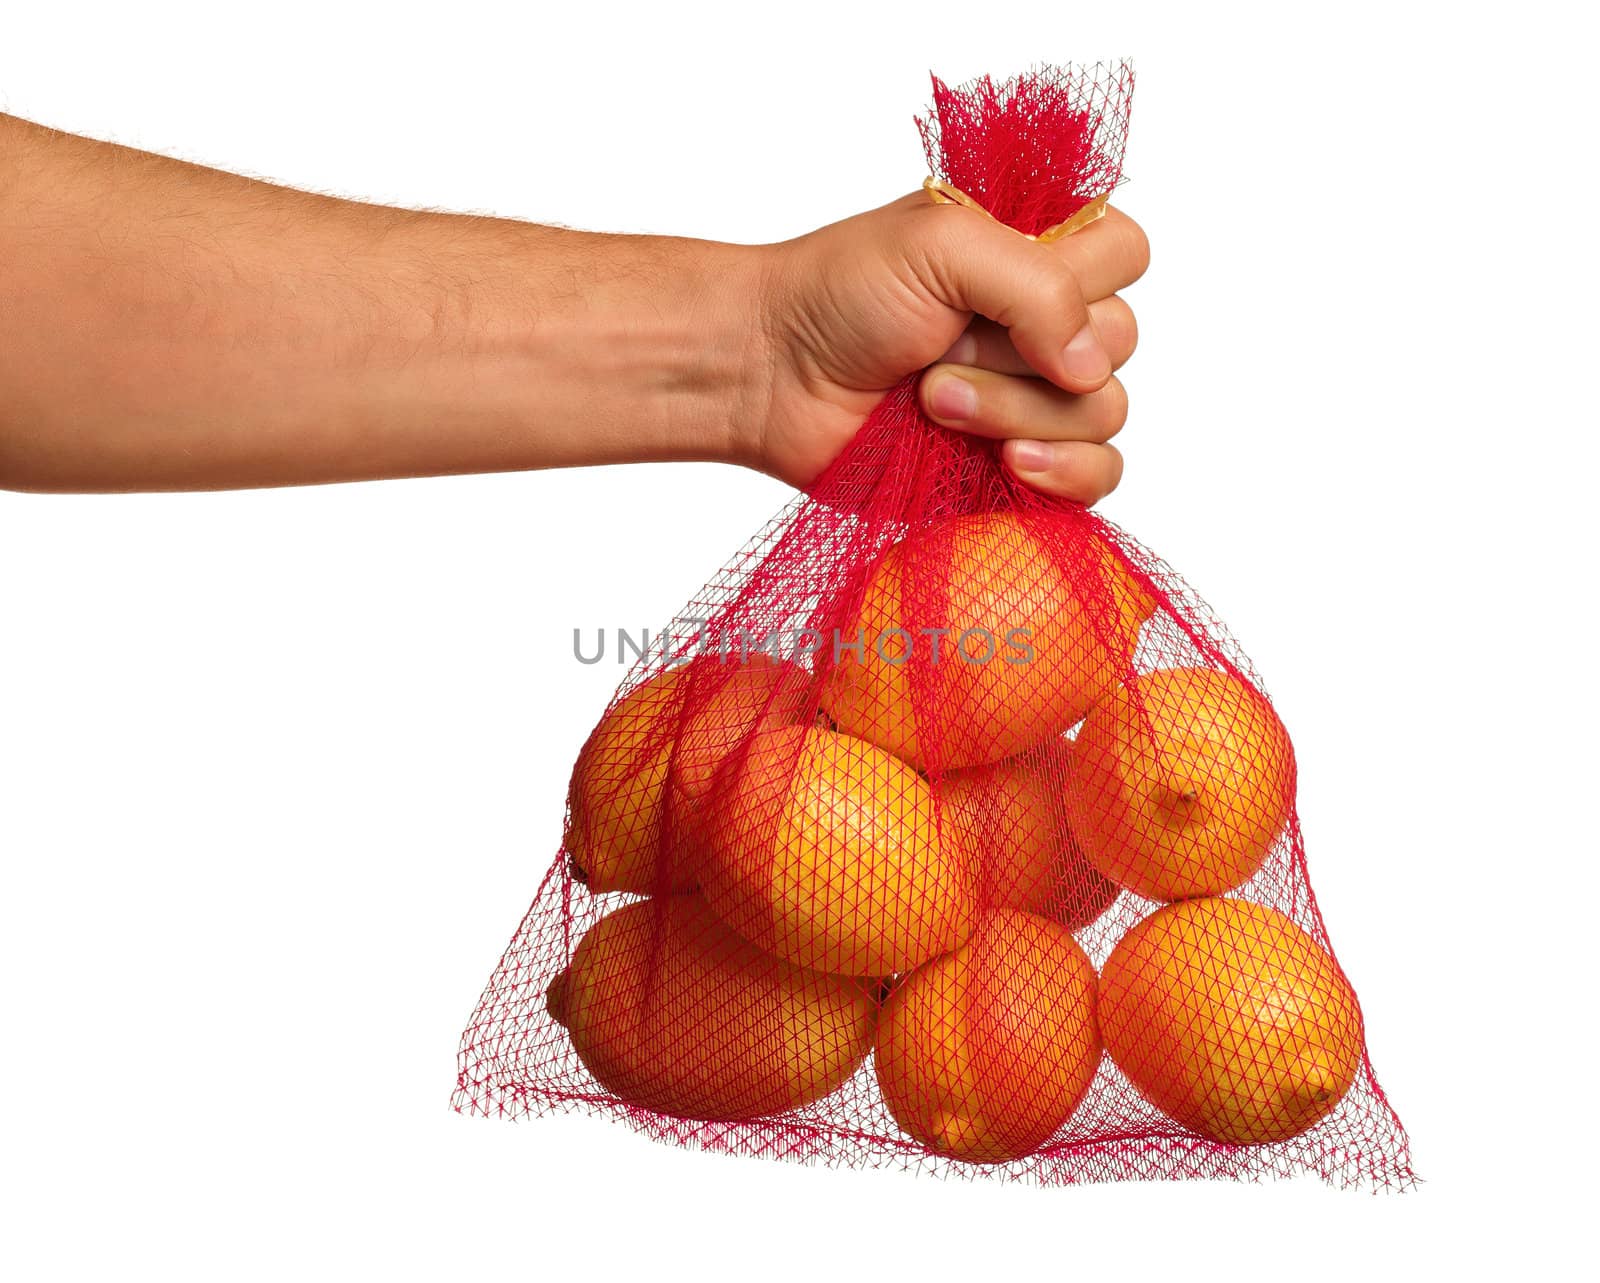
(943, 193)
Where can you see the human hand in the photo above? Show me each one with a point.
(222, 332)
(1020, 339)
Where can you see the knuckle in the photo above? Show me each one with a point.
(936, 226)
(1065, 294)
(1123, 324)
(947, 231)
(1114, 466)
(1112, 407)
(1138, 249)
(933, 237)
(1130, 244)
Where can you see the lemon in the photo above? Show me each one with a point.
(984, 1054)
(1231, 1019)
(825, 850)
(670, 1010)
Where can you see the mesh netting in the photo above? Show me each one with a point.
(946, 827)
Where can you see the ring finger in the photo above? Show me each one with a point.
(987, 404)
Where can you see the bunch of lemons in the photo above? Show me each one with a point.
(895, 855)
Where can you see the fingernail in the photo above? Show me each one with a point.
(1029, 456)
(1084, 358)
(953, 398)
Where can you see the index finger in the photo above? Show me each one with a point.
(1108, 255)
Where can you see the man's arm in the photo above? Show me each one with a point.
(166, 326)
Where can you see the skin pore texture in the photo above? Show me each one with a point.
(164, 326)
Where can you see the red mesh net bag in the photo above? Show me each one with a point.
(946, 827)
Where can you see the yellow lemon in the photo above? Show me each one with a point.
(985, 1053)
(731, 701)
(616, 802)
(1230, 1019)
(983, 635)
(1181, 782)
(670, 1010)
(1011, 817)
(825, 850)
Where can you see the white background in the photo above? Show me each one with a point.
(280, 771)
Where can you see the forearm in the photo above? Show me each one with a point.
(166, 326)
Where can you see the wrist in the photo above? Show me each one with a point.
(718, 376)
(543, 347)
(651, 344)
